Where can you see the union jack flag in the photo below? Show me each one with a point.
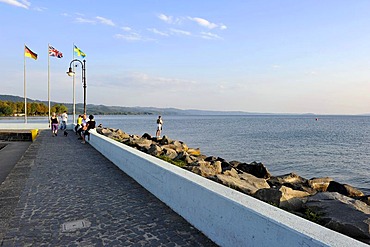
(54, 52)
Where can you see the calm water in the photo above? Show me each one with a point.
(334, 146)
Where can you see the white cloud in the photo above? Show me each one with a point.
(208, 35)
(169, 19)
(154, 30)
(150, 81)
(40, 9)
(127, 29)
(105, 21)
(181, 32)
(23, 4)
(165, 18)
(84, 20)
(205, 23)
(130, 37)
(223, 27)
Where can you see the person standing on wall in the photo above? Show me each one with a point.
(159, 126)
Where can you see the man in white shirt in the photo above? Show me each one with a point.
(64, 120)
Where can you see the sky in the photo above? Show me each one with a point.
(284, 56)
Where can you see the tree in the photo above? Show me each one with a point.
(59, 108)
(19, 107)
(5, 110)
(33, 108)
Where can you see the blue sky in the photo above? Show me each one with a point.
(253, 56)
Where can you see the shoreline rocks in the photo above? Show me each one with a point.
(322, 200)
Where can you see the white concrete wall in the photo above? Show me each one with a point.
(226, 216)
(27, 126)
(23, 126)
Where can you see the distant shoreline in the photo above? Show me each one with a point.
(139, 110)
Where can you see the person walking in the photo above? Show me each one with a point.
(64, 121)
(54, 123)
(159, 126)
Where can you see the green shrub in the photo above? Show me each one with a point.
(178, 163)
(312, 216)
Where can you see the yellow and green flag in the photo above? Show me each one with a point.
(29, 53)
(79, 53)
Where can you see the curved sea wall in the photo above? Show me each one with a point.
(227, 214)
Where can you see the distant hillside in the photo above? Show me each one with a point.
(121, 110)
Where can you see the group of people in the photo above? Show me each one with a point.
(54, 123)
(84, 125)
(82, 128)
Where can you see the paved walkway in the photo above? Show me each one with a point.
(64, 193)
(10, 153)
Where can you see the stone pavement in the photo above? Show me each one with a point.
(64, 193)
(10, 153)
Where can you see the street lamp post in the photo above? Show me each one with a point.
(71, 73)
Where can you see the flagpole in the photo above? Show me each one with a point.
(74, 93)
(49, 81)
(24, 85)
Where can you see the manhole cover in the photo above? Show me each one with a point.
(75, 225)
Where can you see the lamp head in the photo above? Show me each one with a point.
(70, 72)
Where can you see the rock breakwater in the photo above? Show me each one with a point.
(337, 206)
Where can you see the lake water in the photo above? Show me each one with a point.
(334, 146)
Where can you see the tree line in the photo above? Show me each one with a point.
(10, 108)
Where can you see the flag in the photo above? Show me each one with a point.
(54, 52)
(78, 52)
(29, 53)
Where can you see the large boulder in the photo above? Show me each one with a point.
(234, 163)
(142, 144)
(165, 140)
(170, 153)
(254, 168)
(293, 181)
(319, 184)
(290, 178)
(194, 151)
(283, 197)
(121, 134)
(205, 169)
(179, 146)
(184, 156)
(210, 158)
(365, 199)
(342, 213)
(344, 189)
(146, 136)
(244, 182)
(226, 166)
(112, 133)
(155, 150)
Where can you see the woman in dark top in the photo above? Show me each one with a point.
(89, 125)
(54, 122)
